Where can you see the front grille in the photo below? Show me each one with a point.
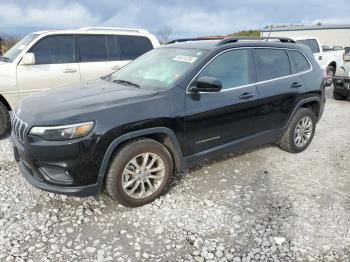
(19, 127)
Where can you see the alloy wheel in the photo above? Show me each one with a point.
(143, 175)
(303, 131)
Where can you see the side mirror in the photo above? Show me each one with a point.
(28, 59)
(207, 84)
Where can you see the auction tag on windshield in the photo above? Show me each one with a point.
(185, 58)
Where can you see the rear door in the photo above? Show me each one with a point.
(98, 56)
(278, 87)
(54, 65)
(215, 119)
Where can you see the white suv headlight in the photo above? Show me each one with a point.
(59, 133)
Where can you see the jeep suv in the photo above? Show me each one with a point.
(128, 132)
(48, 59)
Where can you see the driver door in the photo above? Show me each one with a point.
(54, 65)
(219, 118)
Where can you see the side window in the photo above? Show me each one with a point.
(113, 52)
(311, 43)
(299, 61)
(231, 68)
(132, 47)
(58, 49)
(92, 48)
(272, 63)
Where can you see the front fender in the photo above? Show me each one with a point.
(118, 141)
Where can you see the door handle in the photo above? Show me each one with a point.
(247, 95)
(296, 85)
(70, 70)
(320, 57)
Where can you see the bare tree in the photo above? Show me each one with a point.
(9, 40)
(165, 33)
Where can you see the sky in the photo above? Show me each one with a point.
(187, 18)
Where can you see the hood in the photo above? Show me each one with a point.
(5, 68)
(64, 103)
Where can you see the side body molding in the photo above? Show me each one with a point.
(131, 135)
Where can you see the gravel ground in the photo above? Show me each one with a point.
(260, 205)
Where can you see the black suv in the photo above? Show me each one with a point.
(174, 106)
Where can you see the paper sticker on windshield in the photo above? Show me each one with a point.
(185, 58)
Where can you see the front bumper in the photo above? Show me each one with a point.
(62, 169)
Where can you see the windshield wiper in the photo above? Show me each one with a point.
(4, 59)
(125, 82)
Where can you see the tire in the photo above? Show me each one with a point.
(122, 171)
(338, 96)
(330, 74)
(288, 141)
(5, 122)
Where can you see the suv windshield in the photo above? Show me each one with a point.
(159, 68)
(11, 54)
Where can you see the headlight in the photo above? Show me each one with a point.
(59, 133)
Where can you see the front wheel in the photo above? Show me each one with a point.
(139, 173)
(5, 122)
(300, 131)
(338, 96)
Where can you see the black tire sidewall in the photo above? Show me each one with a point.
(338, 96)
(296, 118)
(122, 158)
(5, 122)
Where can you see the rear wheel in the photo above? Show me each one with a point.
(330, 74)
(139, 173)
(5, 122)
(338, 96)
(300, 131)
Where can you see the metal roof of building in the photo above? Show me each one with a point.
(302, 27)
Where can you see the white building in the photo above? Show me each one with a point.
(329, 35)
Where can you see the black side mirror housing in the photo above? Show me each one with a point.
(207, 84)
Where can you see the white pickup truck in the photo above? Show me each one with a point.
(329, 60)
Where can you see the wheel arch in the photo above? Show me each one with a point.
(4, 101)
(161, 134)
(333, 64)
(314, 103)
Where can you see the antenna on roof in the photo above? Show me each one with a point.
(268, 36)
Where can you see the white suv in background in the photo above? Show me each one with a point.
(47, 59)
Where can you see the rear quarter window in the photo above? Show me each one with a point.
(132, 47)
(271, 63)
(299, 61)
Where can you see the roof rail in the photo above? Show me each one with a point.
(252, 38)
(195, 39)
(114, 29)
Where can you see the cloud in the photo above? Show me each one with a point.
(56, 15)
(186, 17)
